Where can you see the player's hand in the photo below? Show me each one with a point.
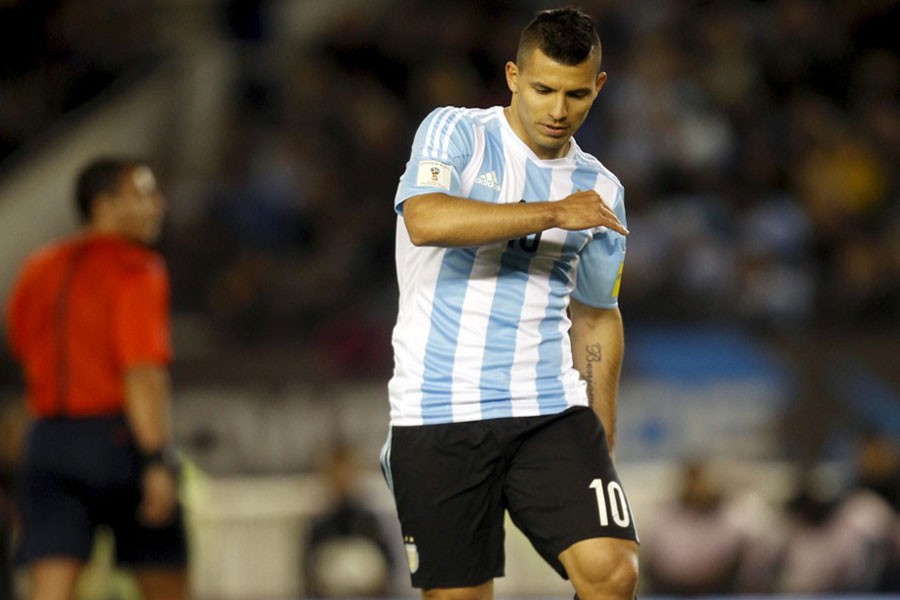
(159, 496)
(586, 209)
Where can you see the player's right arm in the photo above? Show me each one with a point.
(431, 199)
(439, 219)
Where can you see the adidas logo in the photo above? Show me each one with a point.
(490, 180)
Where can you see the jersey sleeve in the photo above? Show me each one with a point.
(601, 263)
(441, 149)
(141, 321)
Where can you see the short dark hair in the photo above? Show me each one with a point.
(100, 176)
(567, 35)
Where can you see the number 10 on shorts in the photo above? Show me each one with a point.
(611, 500)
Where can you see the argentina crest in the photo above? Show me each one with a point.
(412, 553)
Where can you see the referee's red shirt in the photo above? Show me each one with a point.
(82, 312)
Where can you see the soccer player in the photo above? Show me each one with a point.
(88, 320)
(510, 246)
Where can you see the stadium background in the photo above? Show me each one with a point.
(758, 142)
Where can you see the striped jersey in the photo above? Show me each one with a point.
(483, 332)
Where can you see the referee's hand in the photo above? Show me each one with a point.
(159, 496)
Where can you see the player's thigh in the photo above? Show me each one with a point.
(485, 591)
(446, 483)
(562, 487)
(53, 578)
(162, 583)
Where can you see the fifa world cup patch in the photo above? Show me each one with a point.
(434, 174)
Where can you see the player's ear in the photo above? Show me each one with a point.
(601, 79)
(512, 77)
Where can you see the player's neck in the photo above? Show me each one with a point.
(518, 128)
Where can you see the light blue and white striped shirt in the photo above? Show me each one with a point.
(482, 332)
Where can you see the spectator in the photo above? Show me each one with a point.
(346, 553)
(834, 544)
(691, 547)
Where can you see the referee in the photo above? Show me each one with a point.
(88, 320)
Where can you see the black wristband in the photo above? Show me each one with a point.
(165, 456)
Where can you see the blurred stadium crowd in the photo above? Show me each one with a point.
(758, 141)
(711, 539)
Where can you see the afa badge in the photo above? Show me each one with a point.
(412, 554)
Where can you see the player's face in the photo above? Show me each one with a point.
(550, 100)
(140, 206)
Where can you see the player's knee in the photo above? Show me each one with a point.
(621, 581)
(607, 572)
(617, 579)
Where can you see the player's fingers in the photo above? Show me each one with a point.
(612, 221)
(617, 226)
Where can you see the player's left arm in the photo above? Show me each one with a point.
(597, 350)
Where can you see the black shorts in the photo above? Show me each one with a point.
(452, 483)
(78, 474)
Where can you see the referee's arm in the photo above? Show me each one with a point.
(148, 406)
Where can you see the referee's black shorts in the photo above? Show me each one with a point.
(78, 474)
(452, 483)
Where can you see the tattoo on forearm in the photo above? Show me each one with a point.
(594, 355)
